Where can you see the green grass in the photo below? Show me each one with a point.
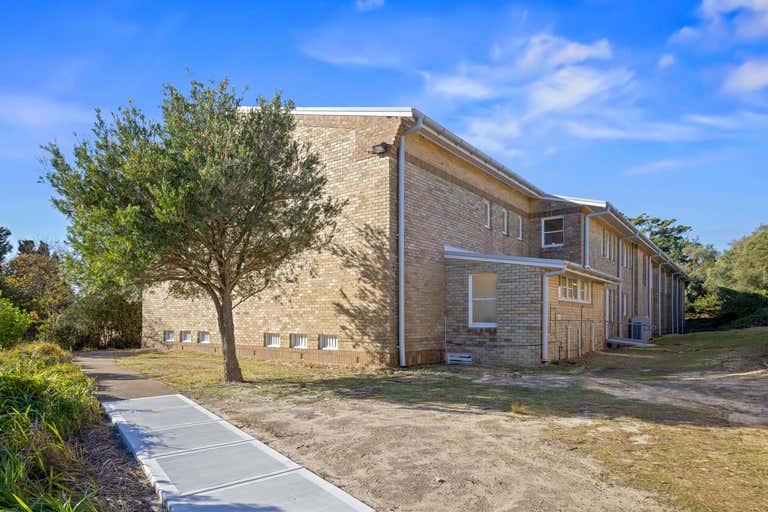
(43, 400)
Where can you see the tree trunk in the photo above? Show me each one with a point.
(232, 372)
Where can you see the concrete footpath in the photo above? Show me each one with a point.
(197, 461)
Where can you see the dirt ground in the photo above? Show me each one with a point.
(611, 433)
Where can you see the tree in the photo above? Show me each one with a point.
(14, 323)
(744, 266)
(665, 233)
(5, 243)
(34, 281)
(213, 199)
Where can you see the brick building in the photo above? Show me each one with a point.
(489, 264)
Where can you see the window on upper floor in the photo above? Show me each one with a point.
(552, 231)
(575, 290)
(505, 222)
(482, 300)
(487, 214)
(519, 227)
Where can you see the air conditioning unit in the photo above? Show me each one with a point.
(640, 328)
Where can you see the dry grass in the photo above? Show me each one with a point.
(688, 453)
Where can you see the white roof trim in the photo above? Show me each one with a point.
(355, 111)
(454, 253)
(584, 201)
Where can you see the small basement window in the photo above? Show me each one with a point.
(329, 342)
(552, 231)
(203, 337)
(575, 290)
(298, 340)
(168, 336)
(186, 336)
(482, 300)
(272, 339)
(487, 214)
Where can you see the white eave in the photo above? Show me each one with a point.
(454, 253)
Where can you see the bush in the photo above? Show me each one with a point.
(98, 321)
(14, 323)
(43, 400)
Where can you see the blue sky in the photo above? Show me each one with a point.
(658, 106)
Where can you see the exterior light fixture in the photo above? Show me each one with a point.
(379, 149)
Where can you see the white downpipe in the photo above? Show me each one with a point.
(401, 240)
(658, 320)
(586, 233)
(545, 312)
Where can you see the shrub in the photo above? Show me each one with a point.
(43, 400)
(13, 323)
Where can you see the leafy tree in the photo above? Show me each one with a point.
(5, 243)
(744, 266)
(666, 233)
(98, 320)
(35, 281)
(213, 199)
(14, 323)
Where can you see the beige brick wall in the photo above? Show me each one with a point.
(516, 340)
(445, 205)
(575, 328)
(350, 291)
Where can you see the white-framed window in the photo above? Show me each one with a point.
(624, 254)
(185, 336)
(487, 214)
(271, 339)
(624, 305)
(329, 342)
(169, 336)
(505, 219)
(203, 337)
(482, 300)
(519, 227)
(298, 340)
(552, 231)
(575, 290)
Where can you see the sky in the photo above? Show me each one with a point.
(656, 106)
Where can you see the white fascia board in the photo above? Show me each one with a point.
(355, 111)
(572, 268)
(454, 253)
(597, 203)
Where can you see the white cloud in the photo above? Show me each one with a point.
(39, 112)
(636, 130)
(725, 21)
(368, 5)
(657, 166)
(546, 50)
(457, 86)
(666, 61)
(751, 76)
(571, 86)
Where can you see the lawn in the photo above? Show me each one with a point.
(679, 425)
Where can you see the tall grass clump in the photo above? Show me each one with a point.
(44, 399)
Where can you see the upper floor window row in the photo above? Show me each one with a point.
(505, 227)
(552, 231)
(608, 245)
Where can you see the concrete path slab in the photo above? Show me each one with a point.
(199, 462)
(116, 382)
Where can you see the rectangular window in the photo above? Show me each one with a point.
(625, 255)
(482, 300)
(271, 339)
(186, 336)
(203, 337)
(329, 342)
(519, 227)
(603, 241)
(488, 215)
(624, 306)
(298, 340)
(575, 290)
(168, 336)
(552, 231)
(505, 217)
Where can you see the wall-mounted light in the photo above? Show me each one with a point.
(379, 149)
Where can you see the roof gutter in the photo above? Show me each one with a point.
(401, 241)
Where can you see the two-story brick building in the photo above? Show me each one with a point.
(441, 248)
